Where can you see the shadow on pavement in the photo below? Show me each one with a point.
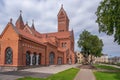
(26, 73)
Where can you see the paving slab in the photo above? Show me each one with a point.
(85, 74)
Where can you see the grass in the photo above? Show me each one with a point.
(64, 75)
(106, 67)
(107, 75)
(30, 78)
(118, 64)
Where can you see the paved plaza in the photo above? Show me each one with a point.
(12, 75)
(40, 72)
(51, 69)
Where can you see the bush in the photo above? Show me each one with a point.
(118, 64)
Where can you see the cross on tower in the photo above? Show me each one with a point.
(33, 21)
(10, 20)
(20, 12)
(62, 5)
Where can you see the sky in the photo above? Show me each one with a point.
(44, 12)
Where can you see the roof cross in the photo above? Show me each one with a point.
(10, 20)
(33, 21)
(20, 12)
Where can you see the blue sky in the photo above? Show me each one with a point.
(44, 12)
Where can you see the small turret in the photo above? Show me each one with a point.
(19, 22)
(32, 27)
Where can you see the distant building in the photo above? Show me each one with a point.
(114, 60)
(102, 59)
(79, 57)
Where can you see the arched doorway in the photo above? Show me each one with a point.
(27, 58)
(67, 60)
(51, 58)
(39, 59)
(70, 61)
(59, 60)
(34, 59)
(8, 56)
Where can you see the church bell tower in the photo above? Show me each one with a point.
(63, 20)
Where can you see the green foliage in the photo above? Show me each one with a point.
(84, 42)
(118, 64)
(107, 75)
(96, 46)
(64, 75)
(90, 44)
(107, 67)
(108, 18)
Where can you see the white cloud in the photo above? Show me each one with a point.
(44, 12)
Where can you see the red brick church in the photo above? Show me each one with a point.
(22, 45)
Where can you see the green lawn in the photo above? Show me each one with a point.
(106, 67)
(107, 75)
(64, 75)
(118, 64)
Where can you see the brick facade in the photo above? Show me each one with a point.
(22, 45)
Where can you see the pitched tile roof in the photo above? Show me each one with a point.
(58, 35)
(30, 36)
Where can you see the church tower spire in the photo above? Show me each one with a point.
(33, 25)
(19, 22)
(63, 20)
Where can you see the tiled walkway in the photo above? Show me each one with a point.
(85, 74)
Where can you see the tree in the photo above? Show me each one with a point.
(96, 47)
(108, 18)
(90, 45)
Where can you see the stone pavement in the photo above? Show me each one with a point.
(51, 69)
(12, 75)
(9, 77)
(39, 72)
(85, 74)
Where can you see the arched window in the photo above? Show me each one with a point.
(27, 58)
(64, 44)
(8, 56)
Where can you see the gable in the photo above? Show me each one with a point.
(9, 33)
(62, 12)
(27, 30)
(62, 16)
